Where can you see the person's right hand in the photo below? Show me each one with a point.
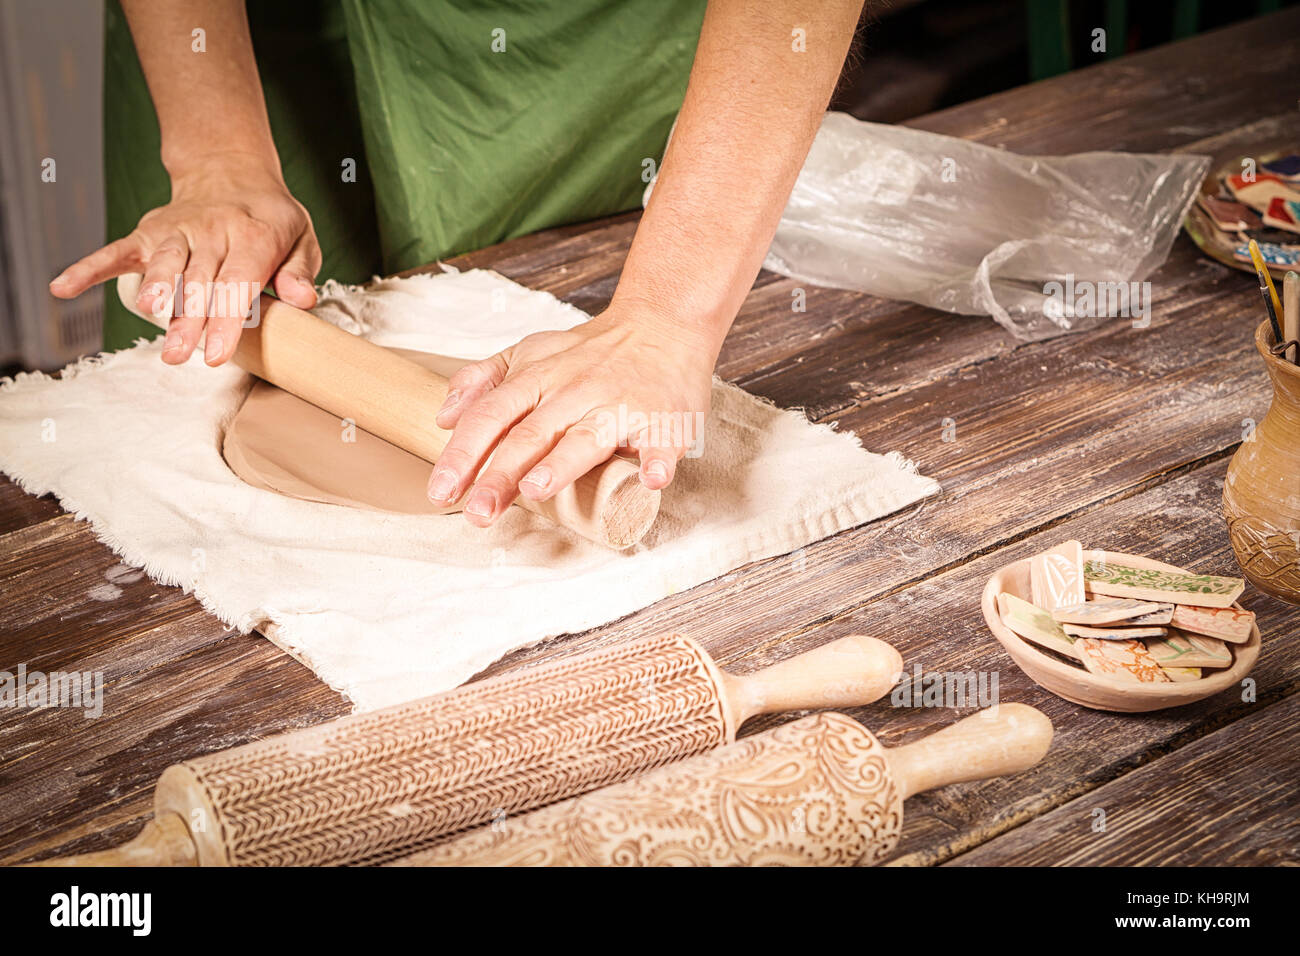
(230, 220)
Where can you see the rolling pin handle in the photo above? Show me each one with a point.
(334, 370)
(850, 672)
(1004, 739)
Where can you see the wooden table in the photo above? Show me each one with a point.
(1118, 436)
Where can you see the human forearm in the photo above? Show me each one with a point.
(752, 108)
(230, 219)
(541, 409)
(209, 103)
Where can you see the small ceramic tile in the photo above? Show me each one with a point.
(1271, 253)
(1113, 633)
(1285, 167)
(1103, 611)
(1190, 650)
(1258, 194)
(1229, 215)
(1234, 184)
(1226, 623)
(1163, 614)
(1283, 214)
(1056, 576)
(1035, 625)
(1181, 674)
(1203, 590)
(1123, 660)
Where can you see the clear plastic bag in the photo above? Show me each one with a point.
(967, 228)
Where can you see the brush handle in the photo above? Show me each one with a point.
(849, 672)
(397, 400)
(1004, 739)
(1290, 312)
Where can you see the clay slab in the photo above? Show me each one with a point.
(1284, 167)
(1190, 650)
(1103, 611)
(1056, 577)
(1127, 661)
(1204, 590)
(1034, 624)
(1231, 624)
(1261, 192)
(1114, 633)
(1271, 253)
(1163, 614)
(1284, 214)
(1228, 215)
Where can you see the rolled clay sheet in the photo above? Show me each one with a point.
(279, 442)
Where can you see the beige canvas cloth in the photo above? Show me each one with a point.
(390, 607)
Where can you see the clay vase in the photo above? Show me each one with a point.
(1261, 494)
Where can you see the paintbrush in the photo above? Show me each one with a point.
(1266, 289)
(1291, 312)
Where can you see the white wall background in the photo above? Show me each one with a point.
(51, 82)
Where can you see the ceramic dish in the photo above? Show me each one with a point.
(1213, 241)
(1094, 690)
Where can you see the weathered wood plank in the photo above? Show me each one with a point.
(1142, 410)
(18, 509)
(71, 604)
(899, 349)
(66, 777)
(175, 682)
(1041, 434)
(1143, 102)
(1227, 799)
(937, 623)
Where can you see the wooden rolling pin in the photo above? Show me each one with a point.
(374, 787)
(397, 400)
(821, 791)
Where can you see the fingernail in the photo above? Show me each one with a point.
(482, 503)
(60, 279)
(452, 398)
(153, 300)
(173, 341)
(442, 484)
(212, 351)
(656, 469)
(540, 477)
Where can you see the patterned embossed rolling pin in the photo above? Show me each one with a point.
(373, 787)
(821, 791)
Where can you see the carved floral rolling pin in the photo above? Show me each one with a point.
(374, 787)
(819, 791)
(395, 399)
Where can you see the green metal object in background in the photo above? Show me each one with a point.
(1050, 37)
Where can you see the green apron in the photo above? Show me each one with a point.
(466, 124)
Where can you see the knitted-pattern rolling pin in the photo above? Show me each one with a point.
(819, 791)
(397, 400)
(373, 787)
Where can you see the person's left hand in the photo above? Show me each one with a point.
(557, 404)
